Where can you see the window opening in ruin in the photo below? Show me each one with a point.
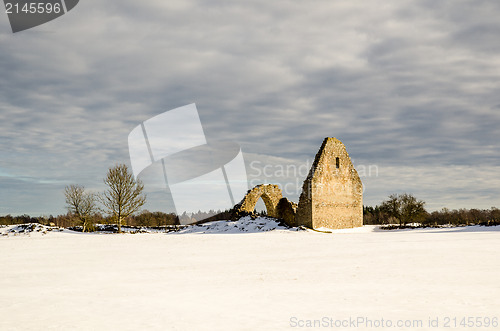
(260, 207)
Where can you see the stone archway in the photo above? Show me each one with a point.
(270, 194)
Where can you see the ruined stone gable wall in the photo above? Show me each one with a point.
(332, 193)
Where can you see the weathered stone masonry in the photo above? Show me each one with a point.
(332, 193)
(270, 194)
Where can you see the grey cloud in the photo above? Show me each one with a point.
(401, 83)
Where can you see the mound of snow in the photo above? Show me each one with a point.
(28, 229)
(243, 225)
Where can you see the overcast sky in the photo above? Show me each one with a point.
(412, 88)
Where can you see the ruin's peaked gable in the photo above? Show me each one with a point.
(332, 194)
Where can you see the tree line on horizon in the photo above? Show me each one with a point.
(404, 209)
(144, 218)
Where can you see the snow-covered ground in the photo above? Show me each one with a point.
(249, 280)
(243, 225)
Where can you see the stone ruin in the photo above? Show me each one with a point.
(332, 194)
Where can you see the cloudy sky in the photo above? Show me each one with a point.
(411, 87)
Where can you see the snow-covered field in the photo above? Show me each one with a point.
(234, 280)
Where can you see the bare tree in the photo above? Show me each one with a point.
(81, 204)
(124, 194)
